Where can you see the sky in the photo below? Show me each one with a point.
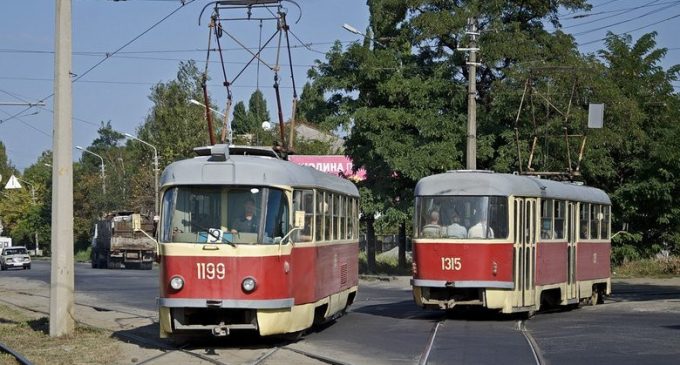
(118, 88)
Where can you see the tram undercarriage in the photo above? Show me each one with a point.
(222, 321)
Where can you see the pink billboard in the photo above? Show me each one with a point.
(332, 164)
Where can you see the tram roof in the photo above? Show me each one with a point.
(481, 183)
(218, 168)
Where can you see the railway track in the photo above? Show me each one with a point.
(166, 348)
(520, 326)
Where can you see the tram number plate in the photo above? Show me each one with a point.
(451, 263)
(210, 271)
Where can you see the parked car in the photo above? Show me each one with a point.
(15, 257)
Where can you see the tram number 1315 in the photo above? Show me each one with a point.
(452, 263)
(210, 271)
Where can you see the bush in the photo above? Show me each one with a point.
(384, 265)
(654, 267)
(83, 256)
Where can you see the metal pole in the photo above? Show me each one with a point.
(61, 272)
(471, 163)
(155, 170)
(155, 164)
(37, 247)
(102, 167)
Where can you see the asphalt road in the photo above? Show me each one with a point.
(639, 324)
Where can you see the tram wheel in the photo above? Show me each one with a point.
(596, 297)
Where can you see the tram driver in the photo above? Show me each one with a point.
(481, 229)
(248, 222)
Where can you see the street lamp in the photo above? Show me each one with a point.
(102, 159)
(155, 167)
(196, 102)
(351, 29)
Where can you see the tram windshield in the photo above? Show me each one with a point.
(219, 214)
(462, 217)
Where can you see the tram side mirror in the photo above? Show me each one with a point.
(299, 219)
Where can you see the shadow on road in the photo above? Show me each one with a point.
(630, 292)
(147, 337)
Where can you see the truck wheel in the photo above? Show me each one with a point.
(147, 265)
(3, 267)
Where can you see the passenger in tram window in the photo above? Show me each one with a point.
(584, 229)
(481, 229)
(455, 229)
(247, 222)
(433, 229)
(546, 231)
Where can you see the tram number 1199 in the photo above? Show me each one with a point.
(451, 263)
(210, 271)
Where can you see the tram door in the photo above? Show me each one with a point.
(572, 219)
(525, 250)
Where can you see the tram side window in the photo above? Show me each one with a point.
(583, 218)
(328, 222)
(604, 224)
(498, 217)
(303, 200)
(594, 221)
(168, 207)
(350, 219)
(320, 209)
(546, 219)
(342, 210)
(336, 217)
(560, 213)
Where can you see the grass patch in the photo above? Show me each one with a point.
(653, 268)
(384, 265)
(30, 338)
(83, 256)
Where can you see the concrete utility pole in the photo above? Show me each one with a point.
(61, 283)
(471, 156)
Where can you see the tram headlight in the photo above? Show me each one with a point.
(176, 282)
(248, 284)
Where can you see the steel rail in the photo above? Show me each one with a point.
(430, 341)
(535, 350)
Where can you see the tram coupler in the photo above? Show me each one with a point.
(220, 331)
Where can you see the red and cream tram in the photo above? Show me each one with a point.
(249, 241)
(509, 242)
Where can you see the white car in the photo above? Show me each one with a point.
(15, 257)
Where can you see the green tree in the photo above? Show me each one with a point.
(634, 157)
(240, 122)
(405, 96)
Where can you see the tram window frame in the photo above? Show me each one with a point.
(595, 221)
(559, 219)
(336, 216)
(301, 202)
(352, 218)
(328, 219)
(342, 210)
(584, 221)
(604, 224)
(547, 224)
(318, 216)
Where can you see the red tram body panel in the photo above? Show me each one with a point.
(509, 242)
(482, 262)
(551, 263)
